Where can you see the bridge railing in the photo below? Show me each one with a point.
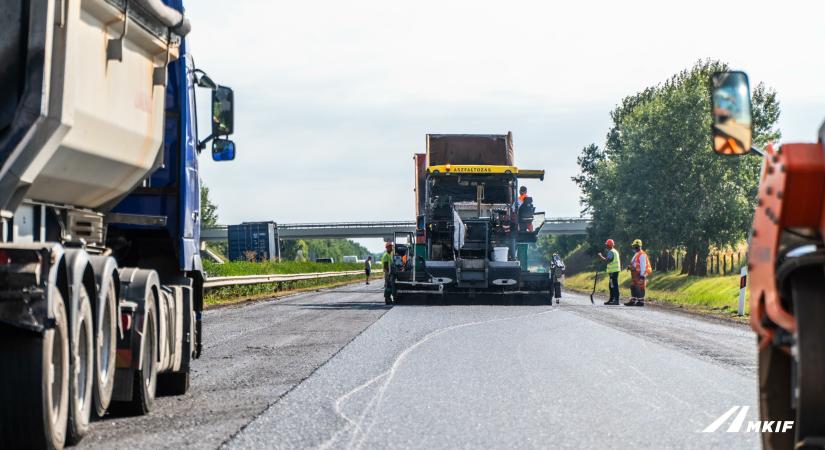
(386, 224)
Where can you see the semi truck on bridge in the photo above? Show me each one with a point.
(100, 272)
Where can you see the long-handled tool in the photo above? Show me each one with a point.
(595, 280)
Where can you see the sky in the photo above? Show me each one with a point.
(332, 98)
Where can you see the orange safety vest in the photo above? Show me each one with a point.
(635, 265)
(522, 197)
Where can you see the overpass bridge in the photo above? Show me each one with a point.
(381, 229)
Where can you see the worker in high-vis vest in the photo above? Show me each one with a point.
(613, 269)
(639, 268)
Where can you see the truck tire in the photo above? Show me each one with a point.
(34, 395)
(82, 355)
(775, 395)
(105, 348)
(145, 379)
(809, 309)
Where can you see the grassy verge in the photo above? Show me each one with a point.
(235, 268)
(717, 294)
(236, 294)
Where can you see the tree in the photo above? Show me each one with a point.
(209, 210)
(657, 178)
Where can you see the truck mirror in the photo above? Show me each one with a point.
(223, 111)
(223, 150)
(731, 99)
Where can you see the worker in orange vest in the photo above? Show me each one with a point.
(639, 269)
(522, 194)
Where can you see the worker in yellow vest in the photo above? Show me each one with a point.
(613, 269)
(639, 269)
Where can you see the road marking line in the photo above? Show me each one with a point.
(388, 376)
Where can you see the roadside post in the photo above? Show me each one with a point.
(743, 283)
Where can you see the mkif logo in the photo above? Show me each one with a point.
(754, 426)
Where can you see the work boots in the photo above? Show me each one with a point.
(611, 302)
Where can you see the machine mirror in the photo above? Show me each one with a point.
(223, 111)
(223, 150)
(732, 129)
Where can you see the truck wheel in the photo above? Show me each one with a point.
(105, 348)
(34, 394)
(809, 310)
(143, 393)
(175, 383)
(81, 368)
(775, 395)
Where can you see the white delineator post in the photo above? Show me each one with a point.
(743, 284)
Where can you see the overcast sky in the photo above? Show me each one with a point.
(333, 98)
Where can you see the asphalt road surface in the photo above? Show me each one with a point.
(337, 369)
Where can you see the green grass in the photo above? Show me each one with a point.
(719, 294)
(235, 268)
(234, 294)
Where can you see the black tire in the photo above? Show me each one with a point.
(175, 383)
(33, 411)
(143, 393)
(809, 309)
(105, 350)
(775, 395)
(81, 368)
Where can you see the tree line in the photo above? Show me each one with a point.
(656, 177)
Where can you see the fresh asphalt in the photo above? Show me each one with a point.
(336, 369)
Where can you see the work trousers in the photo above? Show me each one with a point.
(614, 286)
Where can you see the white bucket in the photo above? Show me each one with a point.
(500, 253)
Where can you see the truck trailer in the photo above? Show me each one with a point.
(101, 281)
(472, 230)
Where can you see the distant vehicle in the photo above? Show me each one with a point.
(472, 232)
(350, 259)
(325, 260)
(101, 280)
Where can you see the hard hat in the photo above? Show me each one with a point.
(388, 245)
(609, 243)
(636, 242)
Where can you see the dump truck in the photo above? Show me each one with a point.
(101, 281)
(472, 231)
(786, 268)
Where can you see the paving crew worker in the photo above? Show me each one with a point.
(613, 269)
(368, 268)
(522, 198)
(522, 194)
(639, 270)
(386, 263)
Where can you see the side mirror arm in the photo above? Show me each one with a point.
(758, 151)
(202, 144)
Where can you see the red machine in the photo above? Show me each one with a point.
(787, 269)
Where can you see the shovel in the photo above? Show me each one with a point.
(595, 280)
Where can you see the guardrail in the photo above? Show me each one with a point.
(239, 280)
